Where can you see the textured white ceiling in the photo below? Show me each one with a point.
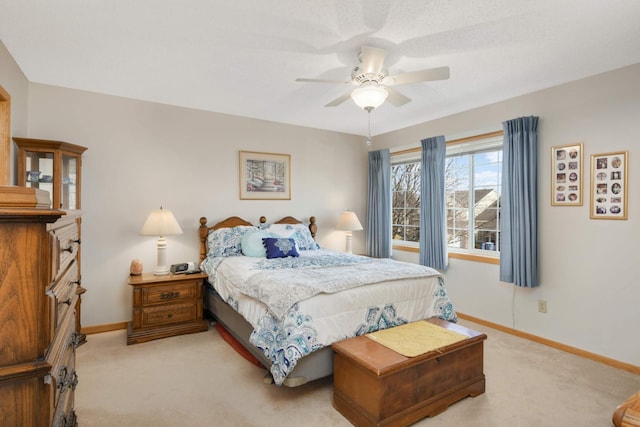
(242, 57)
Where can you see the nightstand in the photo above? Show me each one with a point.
(165, 306)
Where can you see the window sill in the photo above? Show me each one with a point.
(406, 248)
(476, 258)
(457, 255)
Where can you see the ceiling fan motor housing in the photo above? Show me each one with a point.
(358, 77)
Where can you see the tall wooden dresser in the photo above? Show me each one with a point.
(39, 249)
(56, 167)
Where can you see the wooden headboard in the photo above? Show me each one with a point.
(234, 221)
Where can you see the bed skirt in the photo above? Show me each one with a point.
(316, 365)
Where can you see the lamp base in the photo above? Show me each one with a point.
(348, 246)
(162, 269)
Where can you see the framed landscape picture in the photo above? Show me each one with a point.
(566, 175)
(609, 193)
(265, 176)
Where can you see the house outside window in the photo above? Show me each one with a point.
(473, 178)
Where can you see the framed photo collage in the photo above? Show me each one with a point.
(608, 190)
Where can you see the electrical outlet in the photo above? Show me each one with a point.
(542, 306)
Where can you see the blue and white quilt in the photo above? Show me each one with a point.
(299, 305)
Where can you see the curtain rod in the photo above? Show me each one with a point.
(455, 141)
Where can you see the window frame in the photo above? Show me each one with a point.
(473, 146)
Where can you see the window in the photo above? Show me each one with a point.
(473, 175)
(405, 211)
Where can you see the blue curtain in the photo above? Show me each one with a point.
(519, 214)
(433, 226)
(378, 229)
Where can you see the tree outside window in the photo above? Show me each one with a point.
(472, 188)
(406, 202)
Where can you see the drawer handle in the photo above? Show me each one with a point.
(74, 380)
(170, 295)
(75, 339)
(62, 379)
(67, 379)
(68, 420)
(70, 247)
(77, 282)
(68, 301)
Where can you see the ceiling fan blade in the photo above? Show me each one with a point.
(441, 73)
(372, 59)
(321, 81)
(339, 100)
(396, 98)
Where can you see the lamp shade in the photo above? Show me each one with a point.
(369, 97)
(161, 222)
(348, 221)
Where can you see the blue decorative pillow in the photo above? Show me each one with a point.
(252, 244)
(225, 242)
(304, 239)
(279, 247)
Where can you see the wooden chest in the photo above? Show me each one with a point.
(627, 414)
(375, 386)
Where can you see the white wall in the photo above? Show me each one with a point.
(588, 270)
(13, 81)
(142, 155)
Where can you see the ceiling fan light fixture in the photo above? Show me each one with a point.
(369, 97)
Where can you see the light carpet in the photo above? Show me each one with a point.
(199, 380)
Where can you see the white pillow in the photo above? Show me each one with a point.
(298, 232)
(281, 230)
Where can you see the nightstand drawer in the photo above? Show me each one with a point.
(166, 314)
(175, 292)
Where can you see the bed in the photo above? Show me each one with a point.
(288, 310)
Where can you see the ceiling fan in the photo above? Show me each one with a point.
(373, 81)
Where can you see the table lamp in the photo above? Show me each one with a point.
(348, 222)
(161, 223)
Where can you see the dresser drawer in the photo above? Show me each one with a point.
(175, 292)
(63, 294)
(65, 383)
(65, 416)
(61, 356)
(65, 245)
(167, 314)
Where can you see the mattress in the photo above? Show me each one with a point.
(297, 306)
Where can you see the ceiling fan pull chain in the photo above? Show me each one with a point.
(368, 141)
